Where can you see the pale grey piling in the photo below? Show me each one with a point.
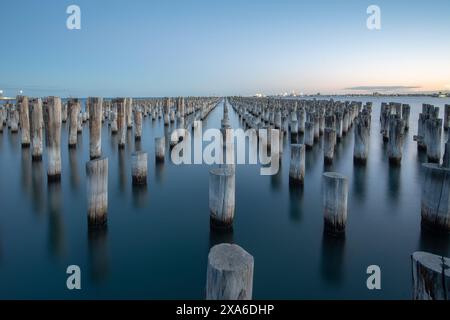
(129, 112)
(406, 111)
(24, 119)
(435, 204)
(95, 127)
(297, 164)
(37, 125)
(14, 121)
(309, 135)
(74, 107)
(121, 121)
(80, 122)
(97, 191)
(137, 124)
(430, 276)
(54, 138)
(396, 139)
(362, 138)
(64, 112)
(316, 127)
(221, 197)
(329, 144)
(433, 139)
(446, 158)
(113, 122)
(229, 274)
(338, 125)
(301, 121)
(139, 168)
(335, 192)
(446, 116)
(277, 119)
(167, 104)
(160, 149)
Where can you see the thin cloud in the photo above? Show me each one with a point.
(382, 88)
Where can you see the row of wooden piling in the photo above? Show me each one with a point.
(38, 118)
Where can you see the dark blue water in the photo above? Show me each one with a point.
(158, 238)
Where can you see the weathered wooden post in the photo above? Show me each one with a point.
(37, 124)
(406, 111)
(54, 138)
(167, 104)
(137, 124)
(139, 168)
(64, 112)
(297, 164)
(14, 120)
(160, 149)
(74, 110)
(338, 125)
(24, 119)
(362, 138)
(335, 202)
(431, 276)
(80, 122)
(447, 117)
(113, 122)
(229, 274)
(221, 197)
(435, 205)
(396, 139)
(95, 127)
(329, 144)
(433, 133)
(121, 123)
(446, 159)
(97, 191)
(128, 112)
(309, 135)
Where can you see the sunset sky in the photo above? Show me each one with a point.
(233, 47)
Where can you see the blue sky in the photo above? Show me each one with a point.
(195, 47)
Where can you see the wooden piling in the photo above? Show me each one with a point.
(121, 121)
(37, 125)
(95, 127)
(297, 164)
(446, 116)
(139, 168)
(430, 276)
(137, 124)
(396, 139)
(221, 197)
(74, 107)
(128, 112)
(24, 119)
(362, 138)
(97, 191)
(160, 149)
(54, 138)
(335, 191)
(229, 273)
(435, 204)
(433, 135)
(329, 144)
(309, 135)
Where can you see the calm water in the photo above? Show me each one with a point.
(158, 238)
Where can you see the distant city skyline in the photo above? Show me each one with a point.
(198, 47)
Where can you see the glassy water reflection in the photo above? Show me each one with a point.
(158, 236)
